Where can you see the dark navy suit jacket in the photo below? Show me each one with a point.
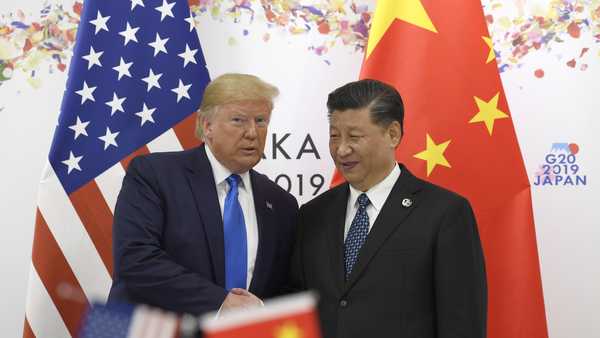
(420, 273)
(168, 235)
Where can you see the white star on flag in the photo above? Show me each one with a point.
(93, 58)
(72, 162)
(182, 90)
(100, 22)
(116, 104)
(188, 55)
(137, 3)
(159, 45)
(129, 34)
(152, 80)
(190, 20)
(79, 128)
(146, 115)
(110, 139)
(123, 69)
(165, 10)
(86, 93)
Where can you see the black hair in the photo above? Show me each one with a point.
(384, 101)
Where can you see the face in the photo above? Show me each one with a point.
(236, 133)
(363, 152)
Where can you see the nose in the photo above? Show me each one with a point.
(251, 130)
(343, 149)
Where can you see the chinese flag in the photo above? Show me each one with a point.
(459, 134)
(286, 317)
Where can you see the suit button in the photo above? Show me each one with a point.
(343, 303)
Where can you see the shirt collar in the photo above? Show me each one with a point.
(220, 172)
(379, 192)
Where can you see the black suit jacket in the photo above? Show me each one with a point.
(168, 234)
(419, 274)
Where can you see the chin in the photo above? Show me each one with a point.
(246, 166)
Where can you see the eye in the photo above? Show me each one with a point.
(237, 119)
(261, 122)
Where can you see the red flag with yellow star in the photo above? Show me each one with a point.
(460, 135)
(287, 317)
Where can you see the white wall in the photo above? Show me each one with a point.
(26, 130)
(563, 106)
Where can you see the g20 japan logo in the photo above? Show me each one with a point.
(560, 167)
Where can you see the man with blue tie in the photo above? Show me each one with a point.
(390, 255)
(199, 230)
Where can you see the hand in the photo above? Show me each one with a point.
(239, 298)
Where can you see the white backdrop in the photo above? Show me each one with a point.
(550, 113)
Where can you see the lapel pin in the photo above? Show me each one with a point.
(407, 202)
(269, 205)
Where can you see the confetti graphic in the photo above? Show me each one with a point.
(519, 28)
(28, 42)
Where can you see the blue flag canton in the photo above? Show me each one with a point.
(112, 321)
(137, 70)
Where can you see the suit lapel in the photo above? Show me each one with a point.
(267, 235)
(202, 183)
(390, 217)
(335, 218)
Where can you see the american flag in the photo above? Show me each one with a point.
(127, 321)
(136, 76)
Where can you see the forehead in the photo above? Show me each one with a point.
(351, 118)
(247, 107)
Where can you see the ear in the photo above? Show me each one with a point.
(206, 126)
(395, 133)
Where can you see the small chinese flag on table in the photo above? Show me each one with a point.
(287, 317)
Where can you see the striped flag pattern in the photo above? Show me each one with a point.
(128, 321)
(136, 77)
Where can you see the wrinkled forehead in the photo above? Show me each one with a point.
(350, 119)
(253, 107)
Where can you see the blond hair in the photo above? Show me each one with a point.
(233, 87)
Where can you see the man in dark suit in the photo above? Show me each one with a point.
(200, 230)
(390, 255)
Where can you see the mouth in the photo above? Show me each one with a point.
(348, 165)
(248, 150)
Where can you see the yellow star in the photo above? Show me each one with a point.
(492, 54)
(288, 330)
(434, 154)
(488, 112)
(411, 11)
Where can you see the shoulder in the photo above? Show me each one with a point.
(438, 198)
(163, 161)
(438, 192)
(327, 199)
(272, 190)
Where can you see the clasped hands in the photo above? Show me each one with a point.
(239, 299)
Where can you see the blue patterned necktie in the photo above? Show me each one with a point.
(236, 247)
(359, 229)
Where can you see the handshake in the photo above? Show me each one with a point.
(239, 299)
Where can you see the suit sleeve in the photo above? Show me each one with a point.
(460, 281)
(141, 264)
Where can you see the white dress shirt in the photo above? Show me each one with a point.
(378, 194)
(246, 199)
